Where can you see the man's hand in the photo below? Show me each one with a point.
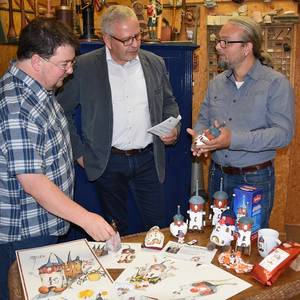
(170, 138)
(97, 227)
(80, 161)
(221, 142)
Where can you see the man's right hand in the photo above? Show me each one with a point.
(80, 161)
(197, 151)
(97, 227)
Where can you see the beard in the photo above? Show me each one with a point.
(223, 63)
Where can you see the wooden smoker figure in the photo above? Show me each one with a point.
(243, 242)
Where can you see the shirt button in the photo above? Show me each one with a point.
(230, 119)
(226, 155)
(234, 100)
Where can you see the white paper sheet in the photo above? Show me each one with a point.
(164, 127)
(195, 254)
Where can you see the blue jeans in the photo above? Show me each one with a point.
(137, 173)
(263, 179)
(8, 256)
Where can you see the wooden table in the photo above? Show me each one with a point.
(286, 287)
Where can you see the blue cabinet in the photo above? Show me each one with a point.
(179, 62)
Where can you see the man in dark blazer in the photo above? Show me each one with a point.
(122, 91)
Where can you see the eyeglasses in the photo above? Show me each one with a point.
(129, 41)
(64, 66)
(224, 43)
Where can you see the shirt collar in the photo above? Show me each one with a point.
(254, 71)
(111, 60)
(28, 81)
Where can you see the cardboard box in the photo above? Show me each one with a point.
(247, 202)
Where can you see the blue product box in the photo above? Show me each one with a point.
(247, 202)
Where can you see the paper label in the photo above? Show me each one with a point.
(274, 259)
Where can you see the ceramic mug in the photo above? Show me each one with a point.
(267, 239)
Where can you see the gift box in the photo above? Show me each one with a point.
(247, 203)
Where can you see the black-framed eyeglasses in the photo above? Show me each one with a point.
(64, 66)
(224, 43)
(128, 41)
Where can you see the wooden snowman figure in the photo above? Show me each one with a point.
(220, 204)
(223, 232)
(196, 213)
(243, 242)
(178, 224)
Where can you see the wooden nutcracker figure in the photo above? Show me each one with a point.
(178, 224)
(223, 232)
(196, 220)
(243, 242)
(154, 10)
(220, 204)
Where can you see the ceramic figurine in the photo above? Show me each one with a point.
(154, 239)
(243, 242)
(196, 220)
(223, 232)
(220, 204)
(178, 224)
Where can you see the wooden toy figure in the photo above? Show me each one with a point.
(223, 232)
(243, 242)
(178, 224)
(196, 213)
(154, 9)
(220, 204)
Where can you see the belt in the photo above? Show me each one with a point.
(130, 152)
(249, 169)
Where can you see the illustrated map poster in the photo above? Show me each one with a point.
(64, 271)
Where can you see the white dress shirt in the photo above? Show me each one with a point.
(131, 117)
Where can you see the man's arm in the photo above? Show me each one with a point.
(48, 195)
(170, 108)
(69, 98)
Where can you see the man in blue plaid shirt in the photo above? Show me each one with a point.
(36, 163)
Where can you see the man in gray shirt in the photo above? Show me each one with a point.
(257, 105)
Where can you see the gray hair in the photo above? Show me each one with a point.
(252, 33)
(114, 14)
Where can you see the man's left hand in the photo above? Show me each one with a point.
(170, 138)
(221, 142)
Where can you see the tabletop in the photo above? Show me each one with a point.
(286, 287)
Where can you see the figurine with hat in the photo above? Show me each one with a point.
(220, 204)
(244, 228)
(178, 224)
(223, 232)
(196, 213)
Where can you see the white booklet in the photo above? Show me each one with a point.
(165, 127)
(195, 254)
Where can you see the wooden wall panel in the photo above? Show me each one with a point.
(292, 212)
(8, 52)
